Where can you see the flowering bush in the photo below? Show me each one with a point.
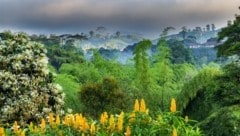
(26, 89)
(138, 122)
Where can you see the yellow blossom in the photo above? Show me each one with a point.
(85, 125)
(174, 132)
(93, 129)
(173, 107)
(51, 118)
(22, 133)
(43, 125)
(71, 119)
(78, 121)
(120, 122)
(103, 118)
(15, 127)
(142, 106)
(35, 130)
(58, 120)
(2, 133)
(136, 105)
(128, 131)
(66, 121)
(31, 127)
(111, 123)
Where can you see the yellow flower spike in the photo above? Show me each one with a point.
(35, 130)
(111, 123)
(186, 119)
(58, 121)
(15, 127)
(104, 118)
(43, 125)
(2, 132)
(173, 107)
(120, 122)
(85, 124)
(67, 120)
(22, 133)
(174, 132)
(80, 122)
(142, 106)
(51, 118)
(128, 131)
(93, 129)
(31, 127)
(105, 115)
(136, 105)
(71, 119)
(77, 121)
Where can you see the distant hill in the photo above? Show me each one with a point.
(119, 45)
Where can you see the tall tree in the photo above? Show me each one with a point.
(163, 72)
(142, 64)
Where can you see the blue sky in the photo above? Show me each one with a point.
(147, 17)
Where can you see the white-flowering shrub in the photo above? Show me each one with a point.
(26, 89)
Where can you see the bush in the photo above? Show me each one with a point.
(26, 89)
(106, 96)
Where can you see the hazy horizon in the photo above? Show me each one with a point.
(138, 16)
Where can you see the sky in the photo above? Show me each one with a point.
(147, 17)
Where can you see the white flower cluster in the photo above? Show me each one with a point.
(26, 90)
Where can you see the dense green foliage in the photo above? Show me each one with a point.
(223, 122)
(198, 87)
(227, 90)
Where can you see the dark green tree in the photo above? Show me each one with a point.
(179, 54)
(105, 96)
